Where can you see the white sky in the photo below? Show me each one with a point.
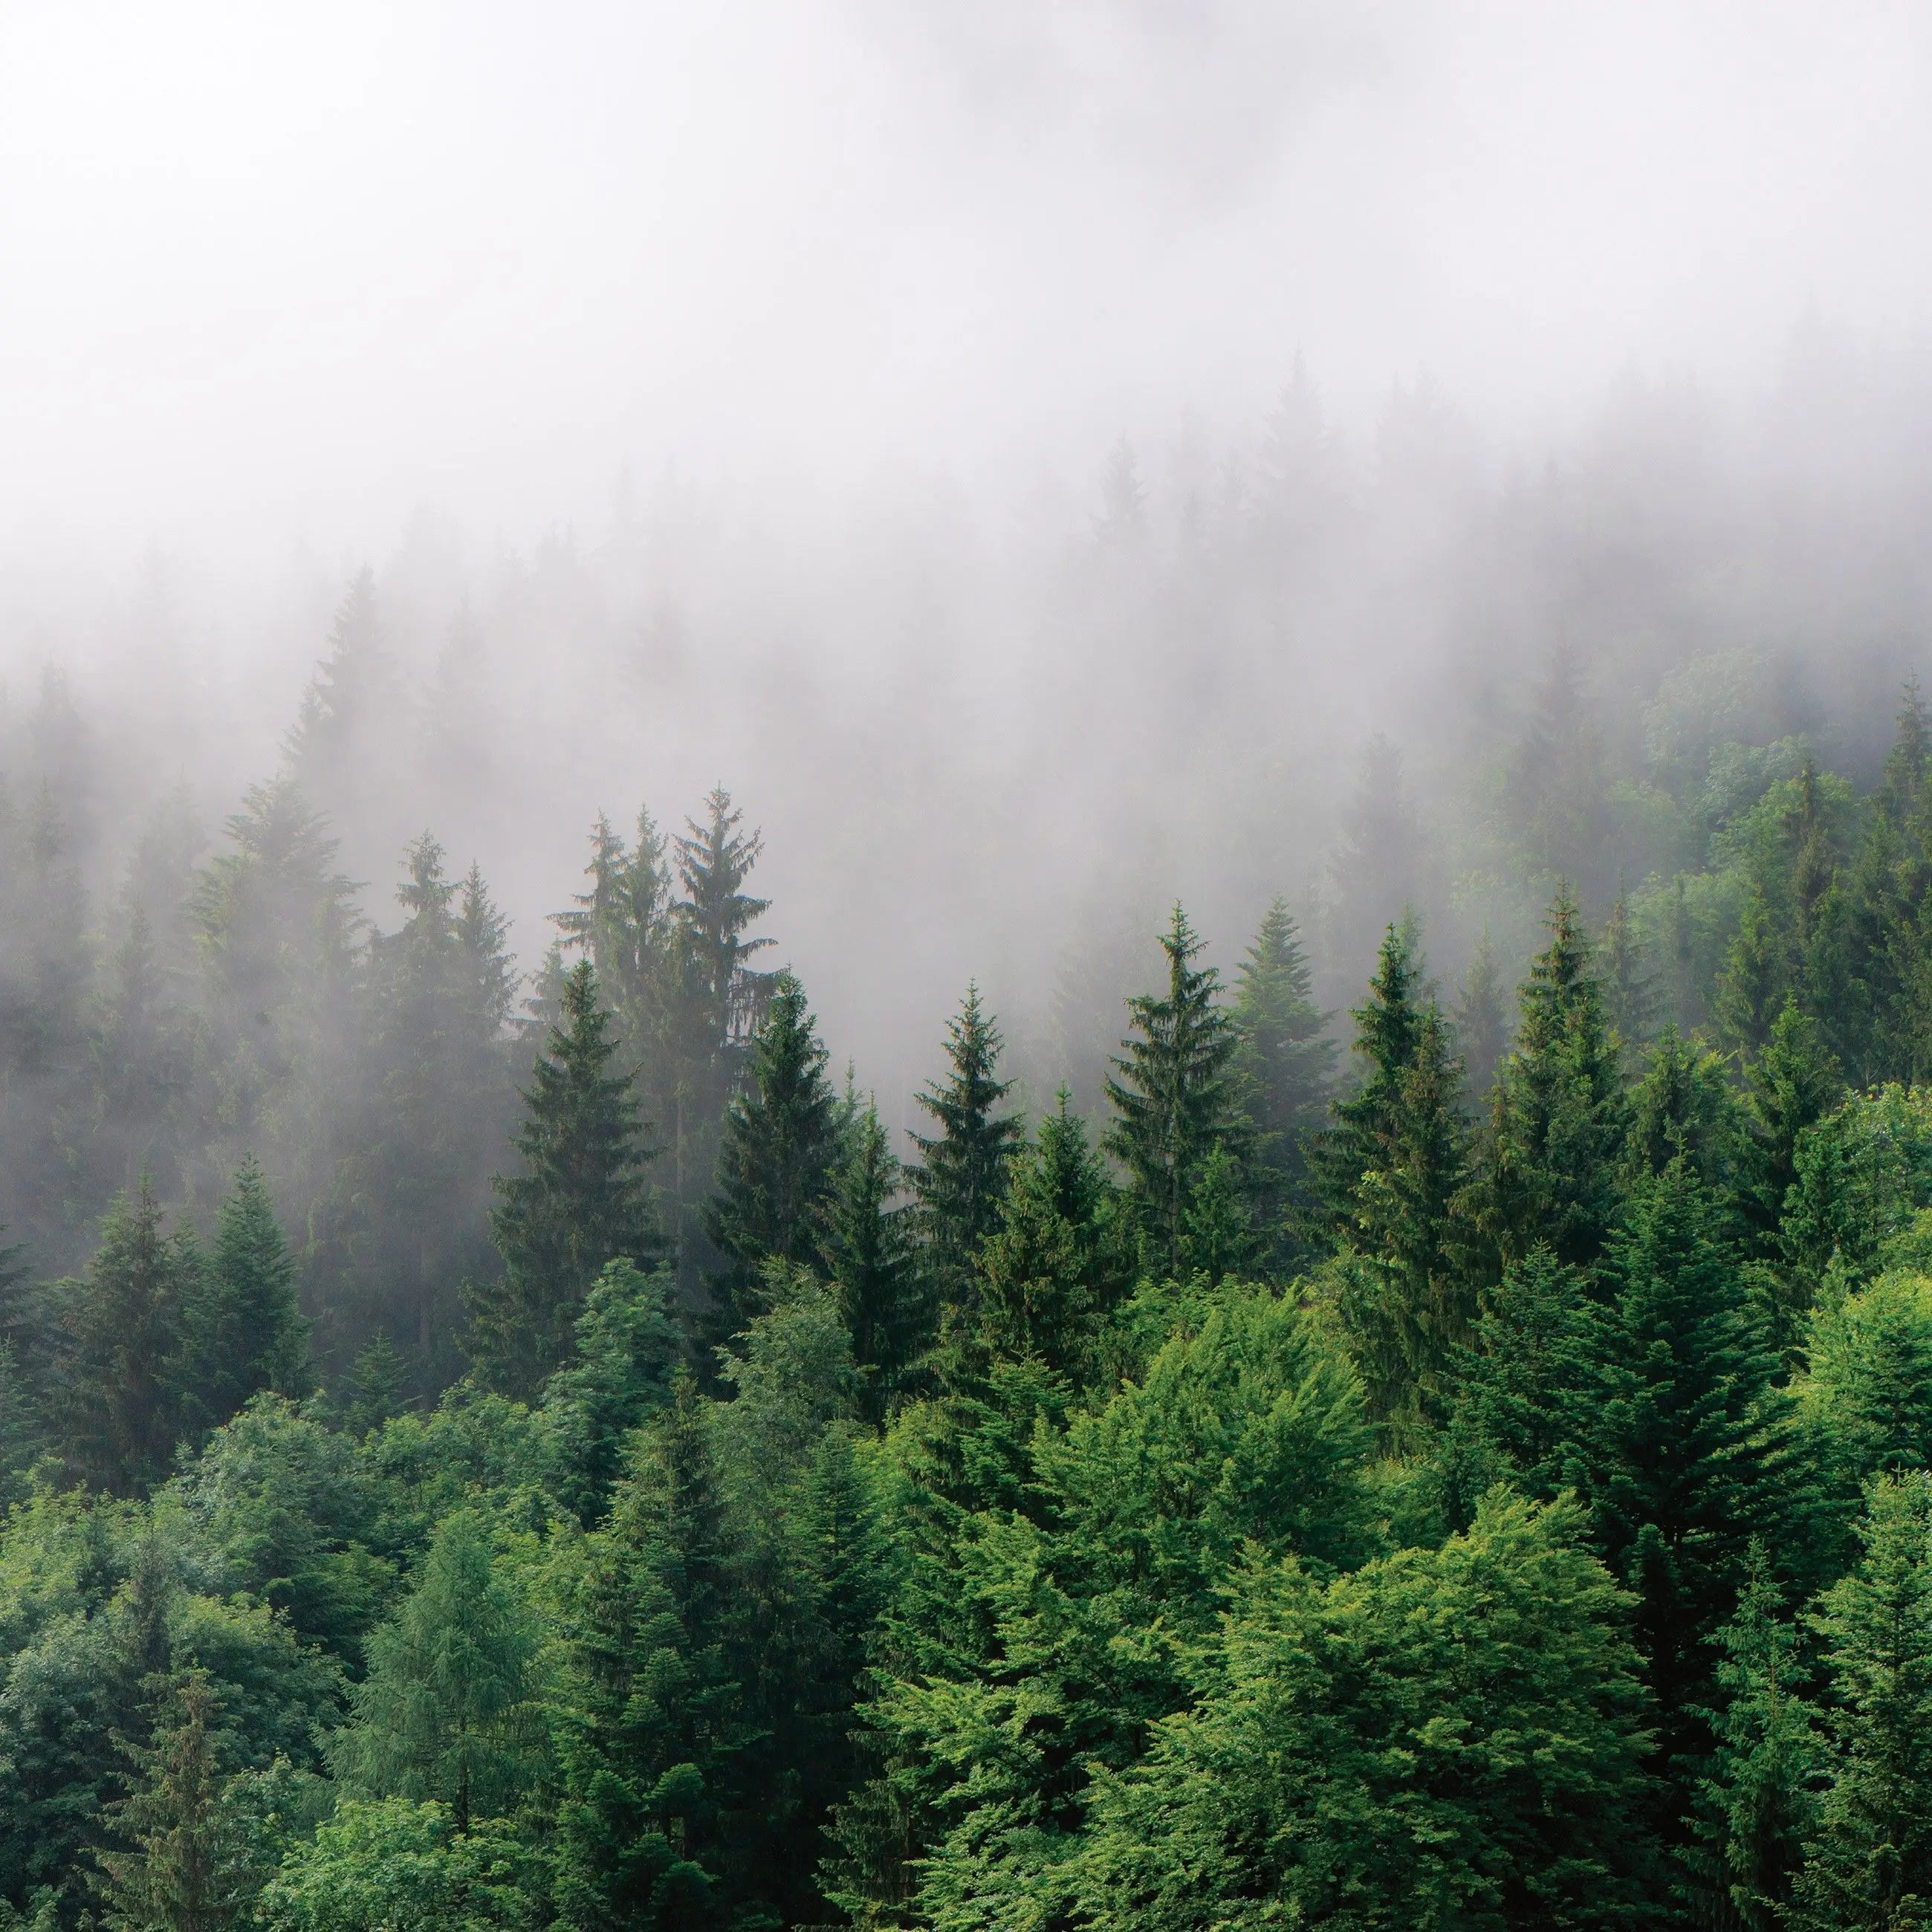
(269, 271)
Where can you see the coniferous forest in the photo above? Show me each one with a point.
(483, 1446)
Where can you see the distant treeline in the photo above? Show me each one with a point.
(1476, 1479)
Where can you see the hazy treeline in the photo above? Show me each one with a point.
(548, 1451)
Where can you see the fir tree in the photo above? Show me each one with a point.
(1790, 1086)
(1757, 1803)
(242, 1329)
(1870, 1865)
(868, 1249)
(1053, 1267)
(1361, 1125)
(780, 1150)
(580, 1202)
(1175, 1100)
(181, 1872)
(960, 1177)
(1683, 1104)
(1630, 998)
(1558, 1120)
(125, 1320)
(1286, 1064)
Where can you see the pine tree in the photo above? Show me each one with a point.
(241, 1330)
(1683, 1105)
(580, 1202)
(962, 1174)
(180, 1874)
(714, 860)
(1559, 1117)
(1757, 1802)
(1286, 1064)
(124, 1329)
(1870, 1865)
(868, 1249)
(780, 1150)
(1175, 1099)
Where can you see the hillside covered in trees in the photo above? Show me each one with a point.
(484, 1448)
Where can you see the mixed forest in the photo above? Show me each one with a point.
(483, 1448)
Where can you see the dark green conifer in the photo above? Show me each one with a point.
(868, 1249)
(580, 1202)
(1175, 1099)
(1558, 1118)
(242, 1330)
(781, 1145)
(1286, 1066)
(1482, 1034)
(960, 1177)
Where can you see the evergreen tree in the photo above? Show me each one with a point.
(448, 1710)
(241, 1330)
(1683, 1104)
(780, 1150)
(1055, 1265)
(580, 1202)
(1557, 1120)
(124, 1329)
(1286, 1064)
(1790, 1086)
(960, 1177)
(1387, 1025)
(181, 1872)
(1690, 1450)
(1630, 998)
(1757, 1800)
(868, 1250)
(1176, 1099)
(1871, 1863)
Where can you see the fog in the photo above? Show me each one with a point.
(1025, 452)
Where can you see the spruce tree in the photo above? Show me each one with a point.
(1683, 1104)
(1054, 1266)
(180, 1870)
(1791, 1085)
(1870, 1866)
(1286, 1064)
(242, 1329)
(868, 1249)
(1690, 1446)
(1757, 1804)
(1559, 1116)
(1364, 1123)
(780, 1150)
(961, 1176)
(1175, 1099)
(119, 1392)
(1630, 998)
(580, 1202)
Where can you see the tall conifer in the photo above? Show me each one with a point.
(580, 1202)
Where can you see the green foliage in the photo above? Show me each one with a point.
(1175, 1098)
(241, 1329)
(779, 1153)
(1449, 1737)
(580, 1202)
(1559, 1117)
(1870, 1865)
(389, 1865)
(868, 1248)
(960, 1177)
(448, 1710)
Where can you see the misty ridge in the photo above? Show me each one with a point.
(965, 970)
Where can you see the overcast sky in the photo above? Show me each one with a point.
(274, 272)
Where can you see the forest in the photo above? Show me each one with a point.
(487, 1448)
